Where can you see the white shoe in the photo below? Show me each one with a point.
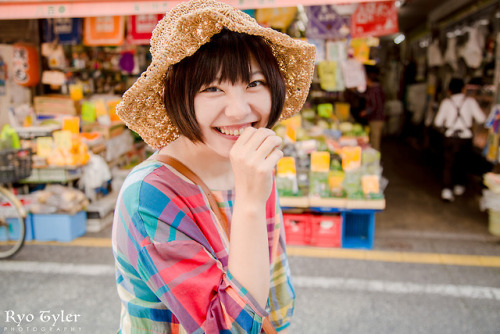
(447, 195)
(458, 190)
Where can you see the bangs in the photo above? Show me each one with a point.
(226, 58)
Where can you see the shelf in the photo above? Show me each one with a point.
(332, 204)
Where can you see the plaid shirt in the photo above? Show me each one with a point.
(171, 257)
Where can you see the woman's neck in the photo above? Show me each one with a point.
(213, 169)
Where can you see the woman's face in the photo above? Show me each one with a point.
(224, 110)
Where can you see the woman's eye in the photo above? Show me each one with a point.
(256, 83)
(211, 89)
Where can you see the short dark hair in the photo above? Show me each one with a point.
(456, 86)
(227, 57)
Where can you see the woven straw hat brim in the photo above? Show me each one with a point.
(180, 34)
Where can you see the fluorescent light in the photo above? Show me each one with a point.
(399, 38)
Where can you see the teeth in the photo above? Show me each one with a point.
(231, 132)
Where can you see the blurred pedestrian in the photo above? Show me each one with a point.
(198, 233)
(455, 117)
(374, 106)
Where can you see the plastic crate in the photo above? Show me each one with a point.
(297, 228)
(59, 227)
(326, 230)
(358, 229)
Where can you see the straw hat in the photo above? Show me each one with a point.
(180, 34)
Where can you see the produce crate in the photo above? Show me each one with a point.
(326, 230)
(358, 229)
(59, 227)
(297, 228)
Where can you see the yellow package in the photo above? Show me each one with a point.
(286, 166)
(370, 184)
(351, 157)
(335, 179)
(342, 111)
(320, 161)
(63, 139)
(71, 124)
(44, 146)
(76, 91)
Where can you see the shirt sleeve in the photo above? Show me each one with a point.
(441, 114)
(477, 114)
(282, 293)
(184, 274)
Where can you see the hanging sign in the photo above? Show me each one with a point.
(375, 19)
(140, 28)
(25, 65)
(325, 23)
(68, 31)
(104, 30)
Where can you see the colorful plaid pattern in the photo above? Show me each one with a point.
(171, 258)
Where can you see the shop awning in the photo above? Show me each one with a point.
(36, 9)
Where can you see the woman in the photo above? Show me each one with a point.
(216, 85)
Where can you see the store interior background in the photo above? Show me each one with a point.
(410, 153)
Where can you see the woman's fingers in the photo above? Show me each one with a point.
(252, 138)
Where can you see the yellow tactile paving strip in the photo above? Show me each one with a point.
(336, 253)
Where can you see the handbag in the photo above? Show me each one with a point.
(189, 174)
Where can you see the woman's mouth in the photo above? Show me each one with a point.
(235, 130)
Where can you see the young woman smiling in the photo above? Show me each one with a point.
(217, 83)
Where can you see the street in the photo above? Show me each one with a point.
(70, 288)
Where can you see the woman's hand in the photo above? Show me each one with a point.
(253, 158)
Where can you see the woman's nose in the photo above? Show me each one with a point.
(237, 107)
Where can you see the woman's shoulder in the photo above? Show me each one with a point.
(151, 180)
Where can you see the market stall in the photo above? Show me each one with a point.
(84, 63)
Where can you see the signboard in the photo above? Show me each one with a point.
(104, 30)
(325, 23)
(67, 31)
(375, 19)
(140, 28)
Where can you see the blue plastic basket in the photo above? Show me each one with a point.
(358, 229)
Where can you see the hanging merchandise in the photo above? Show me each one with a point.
(320, 49)
(327, 72)
(325, 23)
(434, 56)
(65, 31)
(26, 65)
(140, 28)
(127, 62)
(375, 19)
(336, 51)
(361, 49)
(104, 31)
(472, 52)
(277, 18)
(354, 74)
(450, 55)
(54, 54)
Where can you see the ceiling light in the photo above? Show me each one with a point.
(399, 38)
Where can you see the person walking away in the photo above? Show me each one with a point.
(455, 116)
(375, 105)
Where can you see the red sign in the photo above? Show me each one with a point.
(375, 19)
(140, 28)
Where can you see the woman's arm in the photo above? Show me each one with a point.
(253, 157)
